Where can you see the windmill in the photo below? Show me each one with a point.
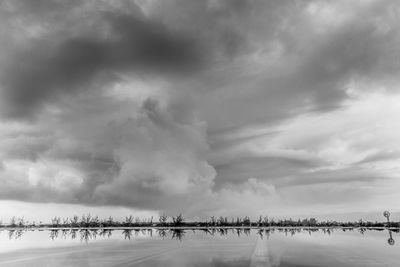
(387, 215)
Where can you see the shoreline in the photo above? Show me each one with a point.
(196, 228)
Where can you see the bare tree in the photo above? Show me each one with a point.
(178, 220)
(163, 219)
(13, 222)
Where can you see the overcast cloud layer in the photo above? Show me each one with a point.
(227, 107)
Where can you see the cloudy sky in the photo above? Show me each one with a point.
(205, 107)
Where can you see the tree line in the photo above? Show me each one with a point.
(88, 221)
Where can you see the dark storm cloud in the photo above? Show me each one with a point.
(59, 64)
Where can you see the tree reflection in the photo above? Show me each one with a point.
(127, 233)
(177, 234)
(162, 233)
(223, 231)
(73, 233)
(207, 231)
(238, 231)
(362, 230)
(246, 231)
(87, 234)
(106, 233)
(15, 234)
(64, 233)
(260, 233)
(53, 234)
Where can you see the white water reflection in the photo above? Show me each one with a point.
(200, 247)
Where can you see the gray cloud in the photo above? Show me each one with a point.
(269, 168)
(306, 70)
(187, 106)
(60, 64)
(144, 158)
(381, 156)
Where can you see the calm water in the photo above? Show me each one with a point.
(231, 247)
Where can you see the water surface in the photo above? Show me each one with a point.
(215, 247)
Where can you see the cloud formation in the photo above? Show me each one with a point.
(200, 106)
(112, 42)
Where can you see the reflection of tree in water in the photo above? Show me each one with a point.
(223, 231)
(64, 233)
(327, 231)
(150, 232)
(213, 231)
(85, 235)
(246, 231)
(54, 234)
(362, 230)
(294, 231)
(162, 233)
(15, 234)
(260, 233)
(268, 232)
(311, 230)
(94, 233)
(286, 231)
(136, 232)
(291, 231)
(73, 233)
(127, 233)
(207, 231)
(238, 231)
(106, 233)
(11, 234)
(177, 234)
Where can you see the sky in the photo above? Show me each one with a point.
(202, 107)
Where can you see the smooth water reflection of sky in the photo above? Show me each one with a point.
(198, 248)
